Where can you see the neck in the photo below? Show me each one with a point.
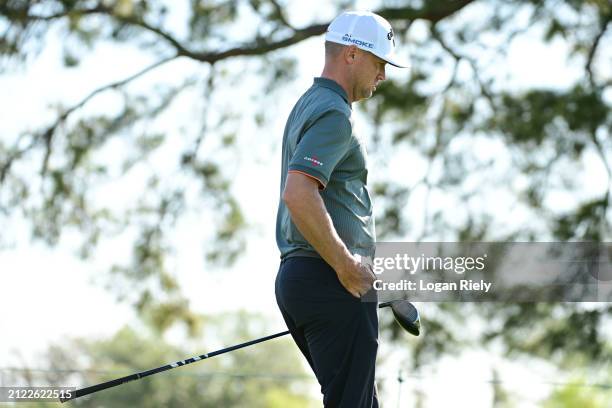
(336, 76)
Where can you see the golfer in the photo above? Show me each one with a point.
(324, 222)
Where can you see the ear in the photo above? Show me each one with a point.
(350, 53)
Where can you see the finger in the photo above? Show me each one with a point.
(372, 278)
(369, 279)
(370, 273)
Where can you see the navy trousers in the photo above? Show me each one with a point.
(336, 332)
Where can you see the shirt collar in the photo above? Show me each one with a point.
(333, 85)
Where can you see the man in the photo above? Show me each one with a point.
(325, 223)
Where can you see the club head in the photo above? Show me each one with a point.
(406, 315)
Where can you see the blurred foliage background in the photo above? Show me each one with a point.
(484, 159)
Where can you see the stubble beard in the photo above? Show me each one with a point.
(366, 92)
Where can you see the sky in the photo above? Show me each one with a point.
(47, 294)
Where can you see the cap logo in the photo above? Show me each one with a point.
(348, 38)
(390, 36)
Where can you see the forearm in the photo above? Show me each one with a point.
(308, 213)
(310, 216)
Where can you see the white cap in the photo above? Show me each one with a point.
(367, 31)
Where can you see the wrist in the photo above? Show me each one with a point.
(345, 263)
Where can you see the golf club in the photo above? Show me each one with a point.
(405, 314)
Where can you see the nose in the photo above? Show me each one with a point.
(381, 74)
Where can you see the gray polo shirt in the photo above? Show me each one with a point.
(319, 142)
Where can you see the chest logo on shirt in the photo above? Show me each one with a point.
(314, 160)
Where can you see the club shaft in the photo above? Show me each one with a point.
(136, 376)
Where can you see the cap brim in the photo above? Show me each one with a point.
(393, 60)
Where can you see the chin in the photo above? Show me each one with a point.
(367, 93)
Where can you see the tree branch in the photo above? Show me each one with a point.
(262, 48)
(100, 8)
(6, 166)
(47, 135)
(458, 57)
(592, 51)
(190, 157)
(132, 20)
(181, 49)
(602, 155)
(437, 36)
(278, 10)
(434, 12)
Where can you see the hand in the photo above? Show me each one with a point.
(356, 277)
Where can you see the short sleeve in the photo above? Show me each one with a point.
(322, 147)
